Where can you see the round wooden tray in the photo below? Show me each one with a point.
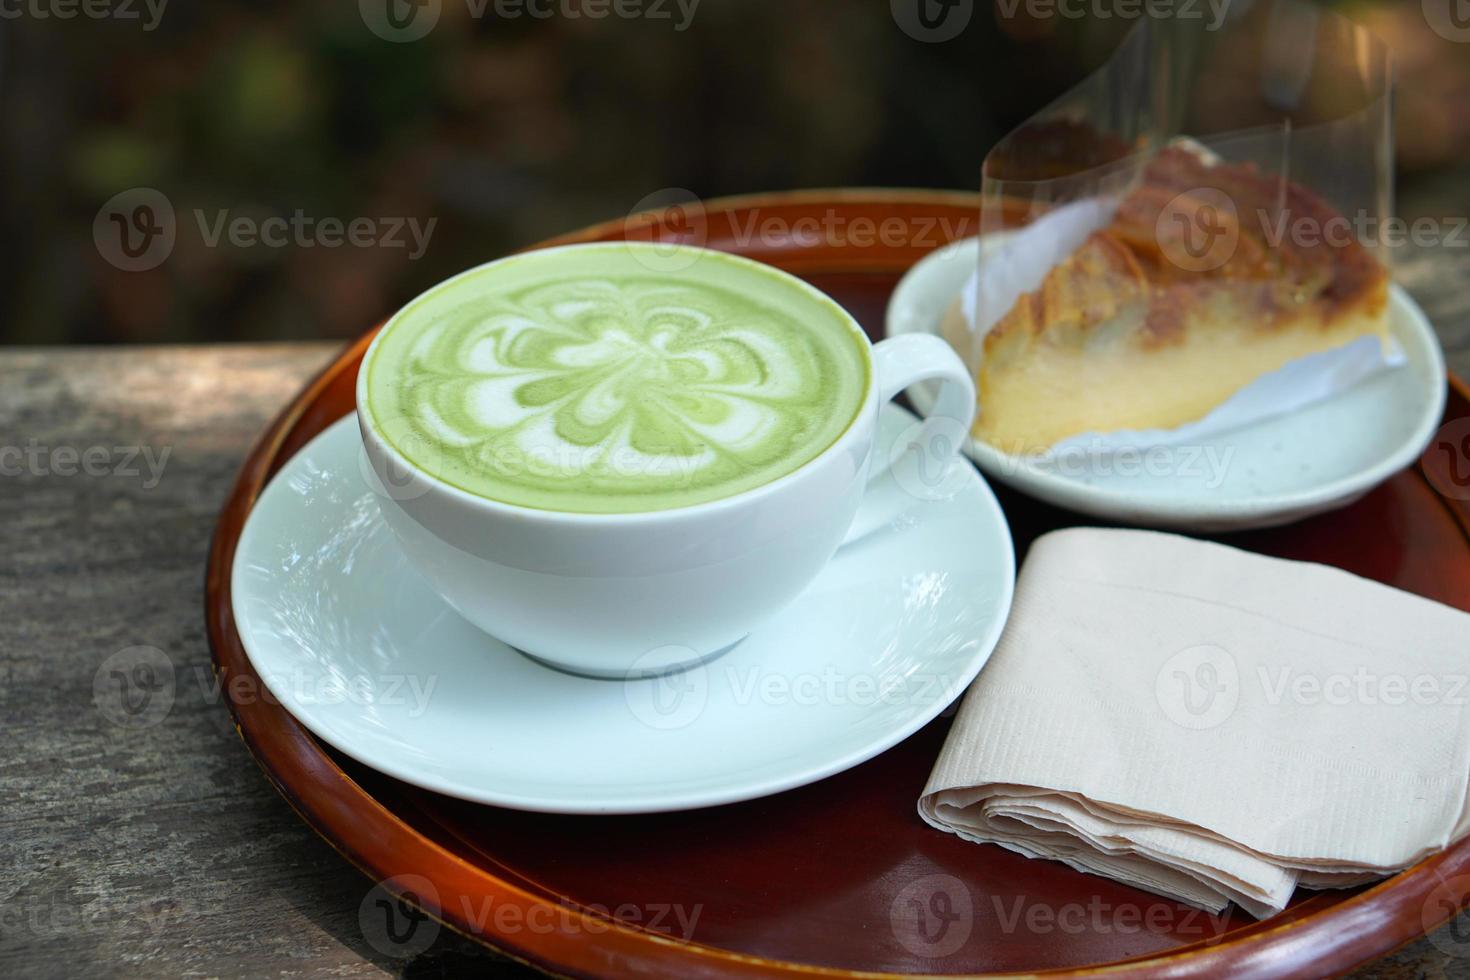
(840, 877)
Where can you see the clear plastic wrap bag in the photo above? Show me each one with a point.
(1244, 175)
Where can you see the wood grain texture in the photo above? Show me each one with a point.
(157, 849)
(153, 849)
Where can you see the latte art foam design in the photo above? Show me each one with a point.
(615, 395)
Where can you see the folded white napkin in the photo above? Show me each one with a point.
(1210, 724)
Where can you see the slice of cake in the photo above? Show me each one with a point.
(1196, 288)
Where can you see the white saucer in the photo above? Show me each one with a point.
(355, 645)
(1279, 470)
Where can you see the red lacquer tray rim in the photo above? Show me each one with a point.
(1315, 937)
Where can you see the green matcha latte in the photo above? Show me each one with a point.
(583, 380)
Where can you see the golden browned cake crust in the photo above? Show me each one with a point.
(1136, 286)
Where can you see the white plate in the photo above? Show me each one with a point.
(359, 649)
(1279, 470)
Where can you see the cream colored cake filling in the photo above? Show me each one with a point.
(1059, 392)
(1051, 391)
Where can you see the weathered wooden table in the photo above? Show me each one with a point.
(158, 849)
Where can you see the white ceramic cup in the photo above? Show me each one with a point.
(638, 594)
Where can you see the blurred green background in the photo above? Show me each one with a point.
(505, 129)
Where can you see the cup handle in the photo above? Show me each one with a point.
(918, 464)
